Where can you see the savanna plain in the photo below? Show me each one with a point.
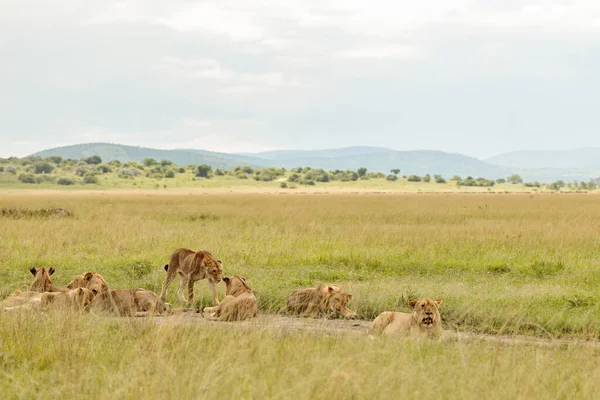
(504, 264)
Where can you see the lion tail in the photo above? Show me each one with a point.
(167, 267)
(382, 320)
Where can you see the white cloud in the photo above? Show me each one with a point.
(383, 52)
(232, 81)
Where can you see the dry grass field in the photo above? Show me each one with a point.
(503, 264)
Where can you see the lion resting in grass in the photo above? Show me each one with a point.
(239, 302)
(321, 300)
(424, 321)
(124, 302)
(72, 300)
(191, 267)
(42, 282)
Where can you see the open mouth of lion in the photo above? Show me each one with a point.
(427, 321)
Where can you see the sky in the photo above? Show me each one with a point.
(472, 77)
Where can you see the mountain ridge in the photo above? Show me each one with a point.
(379, 159)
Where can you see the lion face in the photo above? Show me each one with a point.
(41, 281)
(425, 312)
(338, 301)
(90, 280)
(214, 270)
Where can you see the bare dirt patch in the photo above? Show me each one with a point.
(280, 324)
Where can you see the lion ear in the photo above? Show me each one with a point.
(438, 302)
(33, 271)
(331, 289)
(51, 270)
(88, 276)
(412, 303)
(349, 296)
(225, 279)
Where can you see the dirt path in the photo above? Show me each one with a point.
(283, 324)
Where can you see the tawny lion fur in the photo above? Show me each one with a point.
(42, 282)
(321, 300)
(125, 302)
(239, 302)
(424, 321)
(191, 267)
(72, 300)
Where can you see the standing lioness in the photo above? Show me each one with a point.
(425, 320)
(191, 267)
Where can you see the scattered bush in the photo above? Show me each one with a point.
(439, 179)
(90, 179)
(43, 167)
(148, 162)
(166, 163)
(203, 171)
(414, 178)
(27, 178)
(54, 159)
(283, 185)
(104, 169)
(94, 160)
(129, 172)
(65, 181)
(170, 174)
(391, 177)
(45, 179)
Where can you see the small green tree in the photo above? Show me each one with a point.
(391, 177)
(93, 160)
(427, 178)
(148, 162)
(43, 167)
(514, 179)
(166, 163)
(395, 171)
(55, 159)
(361, 172)
(203, 171)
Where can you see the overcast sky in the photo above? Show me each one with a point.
(475, 77)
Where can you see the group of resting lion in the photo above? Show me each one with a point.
(90, 291)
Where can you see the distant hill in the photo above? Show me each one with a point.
(541, 166)
(577, 159)
(410, 162)
(325, 153)
(123, 153)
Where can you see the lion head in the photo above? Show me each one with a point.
(214, 269)
(337, 300)
(236, 285)
(425, 312)
(41, 281)
(90, 280)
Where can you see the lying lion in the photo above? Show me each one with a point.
(321, 300)
(424, 321)
(72, 300)
(239, 302)
(123, 302)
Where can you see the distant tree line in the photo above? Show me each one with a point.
(68, 171)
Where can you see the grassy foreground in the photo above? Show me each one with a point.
(502, 263)
(58, 356)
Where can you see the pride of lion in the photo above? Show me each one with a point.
(89, 292)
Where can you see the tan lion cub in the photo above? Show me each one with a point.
(425, 320)
(239, 303)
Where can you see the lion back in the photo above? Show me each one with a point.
(382, 321)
